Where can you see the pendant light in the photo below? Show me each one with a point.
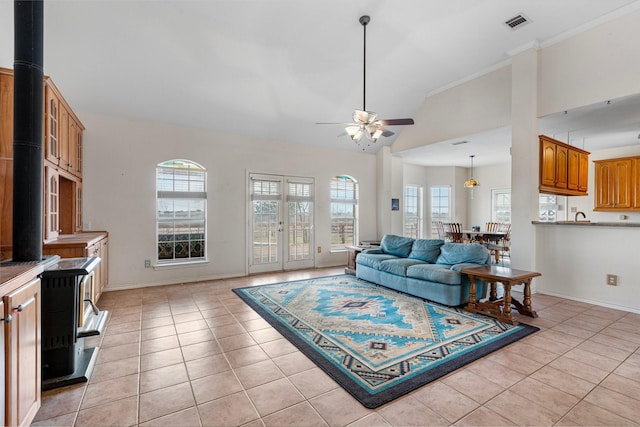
(470, 183)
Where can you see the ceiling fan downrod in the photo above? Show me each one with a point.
(364, 21)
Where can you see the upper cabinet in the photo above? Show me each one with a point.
(62, 140)
(617, 183)
(564, 169)
(62, 131)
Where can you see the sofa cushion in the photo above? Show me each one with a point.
(426, 250)
(458, 253)
(373, 260)
(434, 273)
(396, 245)
(398, 266)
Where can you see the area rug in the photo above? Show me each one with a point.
(378, 344)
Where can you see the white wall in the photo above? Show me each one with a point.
(119, 192)
(490, 177)
(478, 105)
(599, 64)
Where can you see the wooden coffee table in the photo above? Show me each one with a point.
(500, 308)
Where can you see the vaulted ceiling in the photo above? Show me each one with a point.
(273, 68)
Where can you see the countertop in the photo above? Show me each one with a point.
(588, 224)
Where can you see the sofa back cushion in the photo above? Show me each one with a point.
(426, 250)
(458, 253)
(396, 245)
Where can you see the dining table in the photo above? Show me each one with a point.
(483, 236)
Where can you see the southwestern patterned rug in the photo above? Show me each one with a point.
(378, 344)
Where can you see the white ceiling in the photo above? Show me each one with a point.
(273, 68)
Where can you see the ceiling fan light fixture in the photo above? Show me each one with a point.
(374, 132)
(354, 132)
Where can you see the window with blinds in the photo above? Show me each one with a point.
(344, 212)
(181, 202)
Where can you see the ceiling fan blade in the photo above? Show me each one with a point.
(396, 122)
(334, 123)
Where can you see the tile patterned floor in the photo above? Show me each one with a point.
(196, 355)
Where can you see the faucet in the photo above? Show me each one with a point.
(580, 213)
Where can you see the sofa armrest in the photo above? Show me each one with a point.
(373, 251)
(458, 267)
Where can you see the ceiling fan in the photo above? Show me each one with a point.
(366, 123)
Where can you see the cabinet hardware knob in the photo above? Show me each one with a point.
(6, 319)
(18, 308)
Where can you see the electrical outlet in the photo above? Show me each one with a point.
(612, 280)
(574, 209)
(319, 249)
(147, 263)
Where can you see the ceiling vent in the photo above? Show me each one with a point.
(459, 142)
(517, 21)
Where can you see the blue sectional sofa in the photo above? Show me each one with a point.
(427, 268)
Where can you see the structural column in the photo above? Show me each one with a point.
(524, 156)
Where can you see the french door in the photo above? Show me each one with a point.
(280, 223)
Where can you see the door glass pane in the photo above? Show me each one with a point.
(266, 224)
(300, 221)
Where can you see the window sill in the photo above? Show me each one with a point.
(172, 265)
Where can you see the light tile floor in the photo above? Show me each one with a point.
(195, 354)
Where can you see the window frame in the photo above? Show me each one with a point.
(495, 194)
(349, 203)
(434, 230)
(411, 201)
(188, 188)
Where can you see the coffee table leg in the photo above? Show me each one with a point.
(493, 294)
(472, 292)
(506, 307)
(525, 308)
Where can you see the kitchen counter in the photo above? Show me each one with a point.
(588, 224)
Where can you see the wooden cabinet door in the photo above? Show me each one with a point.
(583, 172)
(104, 248)
(78, 207)
(548, 164)
(622, 183)
(23, 354)
(95, 250)
(573, 170)
(72, 146)
(603, 184)
(63, 137)
(635, 187)
(3, 387)
(77, 142)
(51, 206)
(51, 126)
(562, 162)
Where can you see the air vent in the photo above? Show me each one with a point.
(459, 142)
(517, 21)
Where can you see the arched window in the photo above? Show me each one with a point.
(181, 211)
(344, 212)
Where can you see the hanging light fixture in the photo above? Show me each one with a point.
(470, 183)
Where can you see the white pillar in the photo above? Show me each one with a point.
(524, 157)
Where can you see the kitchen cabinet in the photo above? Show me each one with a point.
(85, 244)
(564, 169)
(20, 291)
(616, 184)
(51, 199)
(62, 174)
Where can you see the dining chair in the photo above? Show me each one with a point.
(502, 248)
(440, 229)
(454, 232)
(492, 227)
